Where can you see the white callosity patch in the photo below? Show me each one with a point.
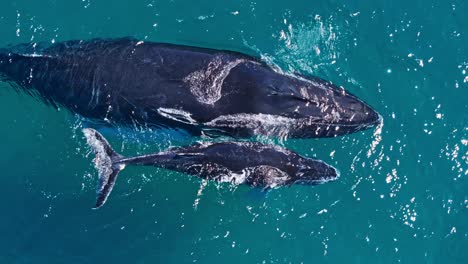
(206, 84)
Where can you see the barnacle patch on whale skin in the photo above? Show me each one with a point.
(206, 84)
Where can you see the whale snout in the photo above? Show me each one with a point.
(316, 172)
(352, 115)
(321, 109)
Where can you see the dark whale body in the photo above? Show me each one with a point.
(143, 83)
(249, 163)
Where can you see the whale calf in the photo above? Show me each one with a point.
(201, 90)
(254, 164)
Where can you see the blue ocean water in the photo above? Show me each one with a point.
(402, 195)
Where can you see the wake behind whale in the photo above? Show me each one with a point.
(132, 82)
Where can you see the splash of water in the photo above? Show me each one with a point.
(377, 139)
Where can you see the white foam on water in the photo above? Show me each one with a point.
(200, 193)
(464, 142)
(307, 47)
(377, 138)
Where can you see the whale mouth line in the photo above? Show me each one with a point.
(262, 119)
(315, 182)
(320, 180)
(268, 119)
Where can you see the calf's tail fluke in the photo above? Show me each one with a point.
(107, 162)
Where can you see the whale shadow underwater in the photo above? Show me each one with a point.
(250, 163)
(200, 90)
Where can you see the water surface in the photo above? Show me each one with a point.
(402, 195)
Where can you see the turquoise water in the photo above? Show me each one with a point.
(402, 195)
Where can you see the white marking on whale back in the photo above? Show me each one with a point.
(177, 115)
(200, 193)
(206, 84)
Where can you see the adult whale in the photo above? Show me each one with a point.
(134, 82)
(254, 164)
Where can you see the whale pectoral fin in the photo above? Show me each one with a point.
(105, 186)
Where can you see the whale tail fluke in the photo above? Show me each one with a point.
(107, 162)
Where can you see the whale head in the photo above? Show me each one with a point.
(312, 172)
(313, 107)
